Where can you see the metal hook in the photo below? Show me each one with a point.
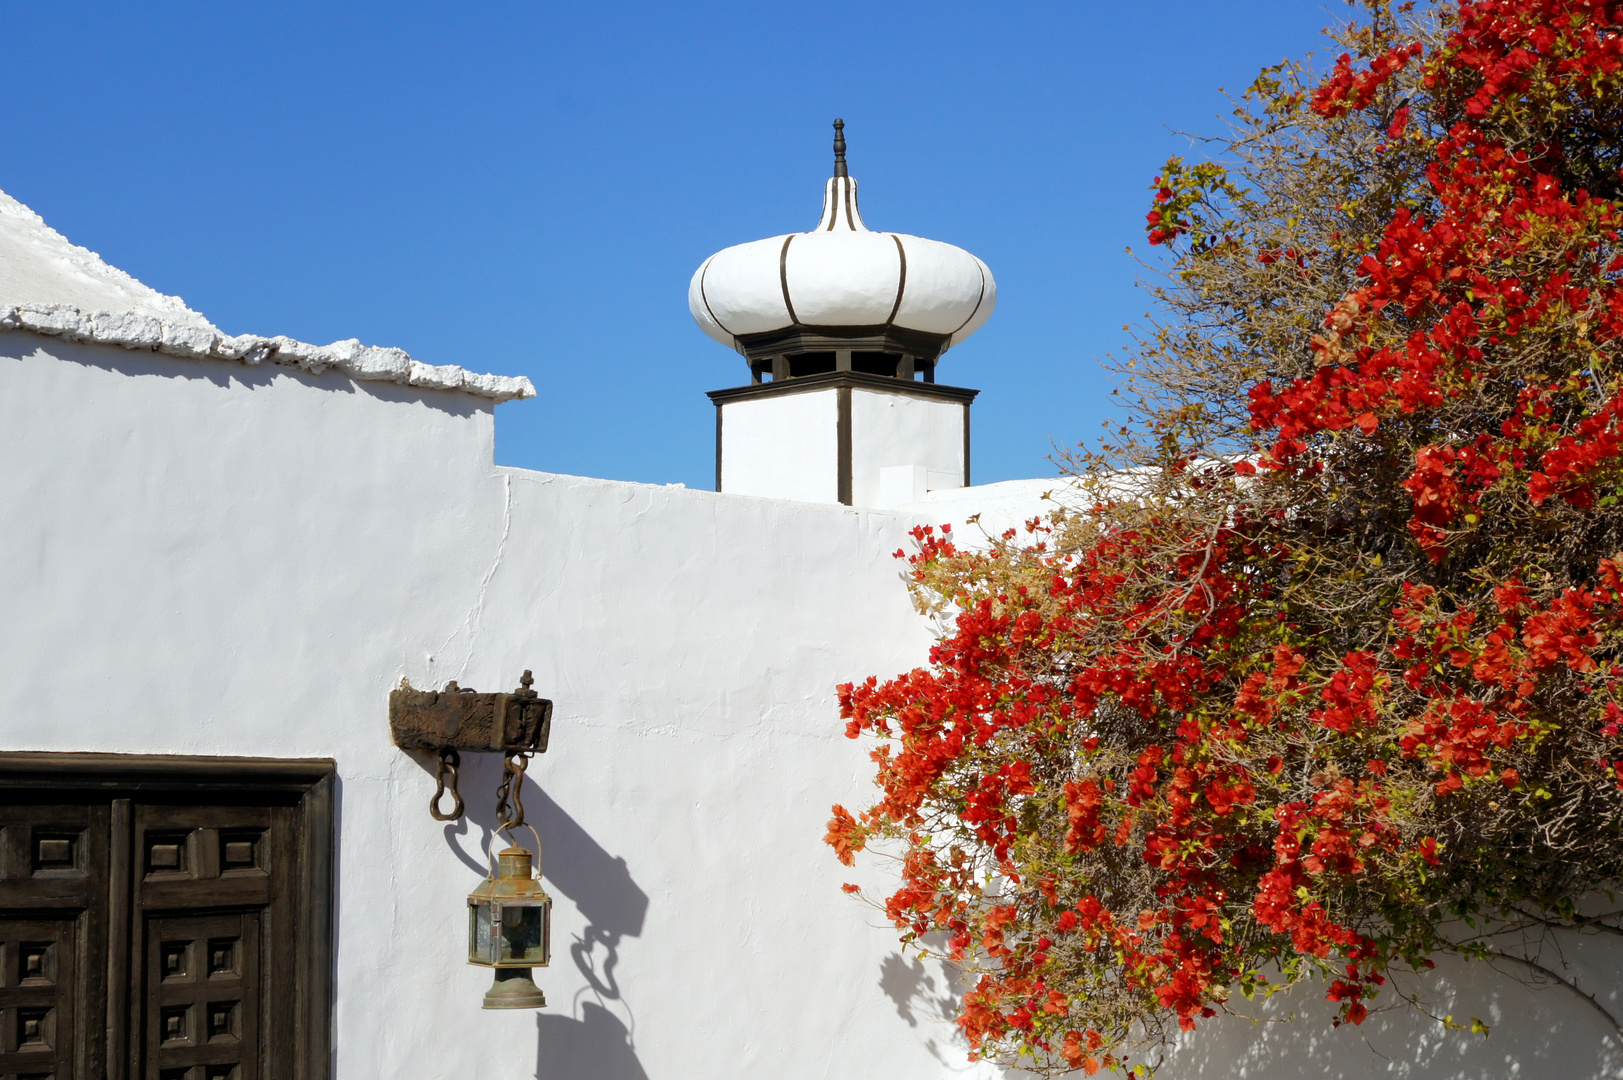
(510, 795)
(450, 761)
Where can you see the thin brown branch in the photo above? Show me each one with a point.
(1594, 1002)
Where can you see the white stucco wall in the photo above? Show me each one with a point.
(888, 430)
(782, 447)
(244, 561)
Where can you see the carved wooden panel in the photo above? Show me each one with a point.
(209, 856)
(203, 990)
(38, 975)
(52, 856)
(53, 889)
(207, 986)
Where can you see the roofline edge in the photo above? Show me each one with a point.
(135, 331)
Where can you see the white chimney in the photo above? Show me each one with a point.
(838, 325)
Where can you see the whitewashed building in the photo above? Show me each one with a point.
(220, 556)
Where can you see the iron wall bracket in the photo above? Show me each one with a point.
(456, 719)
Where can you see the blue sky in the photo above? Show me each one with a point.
(527, 188)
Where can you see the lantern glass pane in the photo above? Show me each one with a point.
(479, 943)
(521, 934)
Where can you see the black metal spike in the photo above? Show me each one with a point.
(839, 148)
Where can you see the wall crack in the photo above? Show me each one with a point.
(471, 624)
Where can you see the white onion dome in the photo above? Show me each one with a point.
(842, 285)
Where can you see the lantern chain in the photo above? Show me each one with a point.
(510, 794)
(445, 781)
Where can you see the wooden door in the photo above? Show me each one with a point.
(164, 918)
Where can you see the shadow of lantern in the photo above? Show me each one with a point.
(595, 1047)
(599, 1045)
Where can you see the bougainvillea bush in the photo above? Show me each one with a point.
(1321, 678)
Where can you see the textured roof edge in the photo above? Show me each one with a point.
(132, 330)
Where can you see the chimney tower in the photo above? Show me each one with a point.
(842, 329)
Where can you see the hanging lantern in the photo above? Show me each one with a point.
(510, 929)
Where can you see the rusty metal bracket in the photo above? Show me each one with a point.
(515, 724)
(458, 719)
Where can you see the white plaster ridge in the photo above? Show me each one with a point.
(51, 286)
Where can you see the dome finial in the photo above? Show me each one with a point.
(839, 148)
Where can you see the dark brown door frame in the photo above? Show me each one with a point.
(119, 780)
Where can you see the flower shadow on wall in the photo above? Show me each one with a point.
(1537, 1028)
(928, 991)
(599, 1045)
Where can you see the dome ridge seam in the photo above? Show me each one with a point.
(703, 296)
(783, 278)
(979, 300)
(901, 279)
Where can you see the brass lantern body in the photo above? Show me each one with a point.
(510, 929)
